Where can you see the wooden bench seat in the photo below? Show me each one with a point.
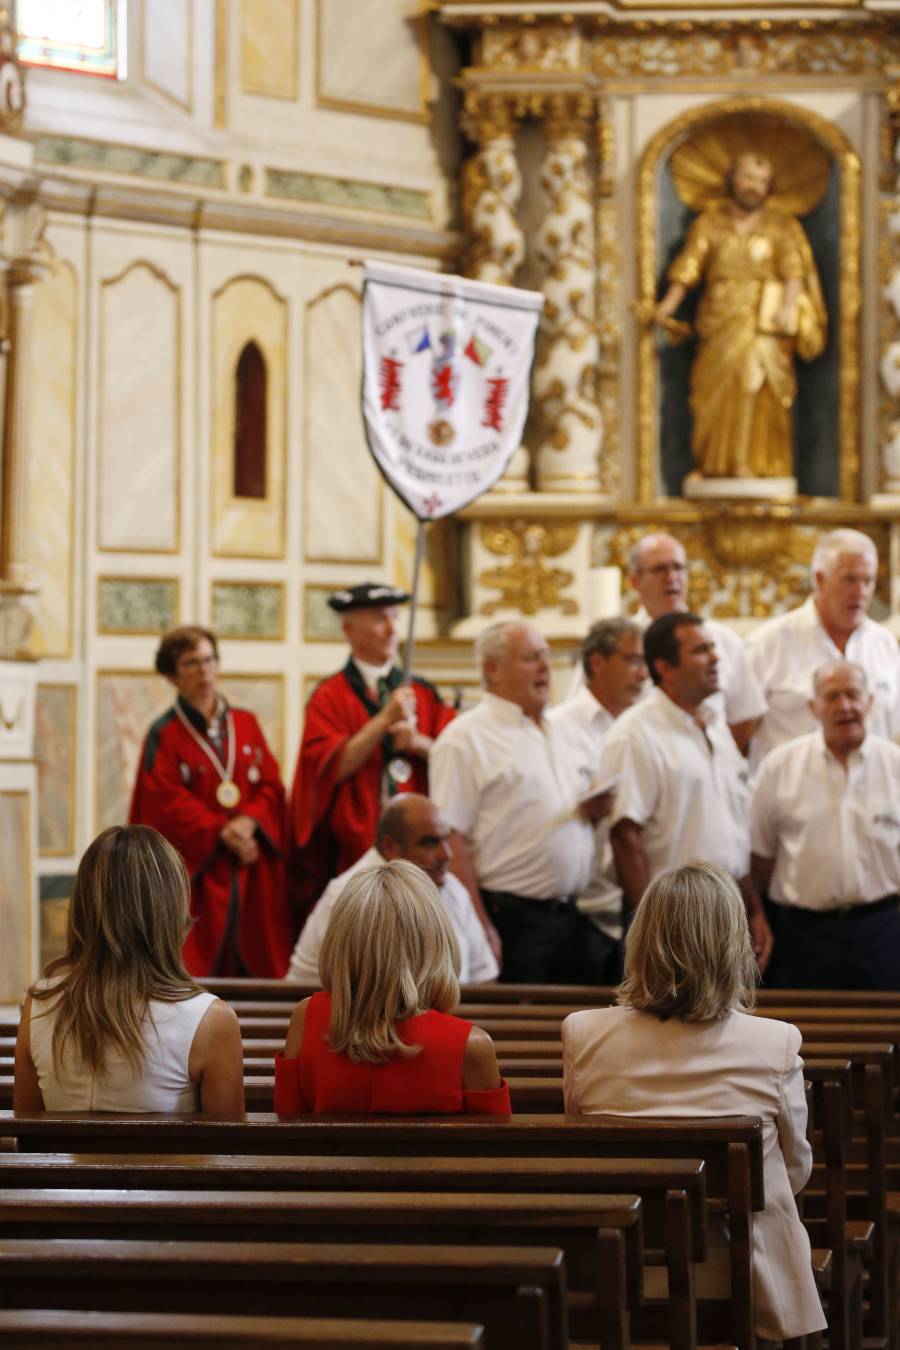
(518, 1293)
(50, 1330)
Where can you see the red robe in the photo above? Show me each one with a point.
(334, 823)
(241, 913)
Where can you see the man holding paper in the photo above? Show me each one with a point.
(522, 800)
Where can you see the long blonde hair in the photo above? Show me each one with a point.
(388, 954)
(688, 952)
(128, 917)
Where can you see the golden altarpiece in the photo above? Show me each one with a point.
(597, 133)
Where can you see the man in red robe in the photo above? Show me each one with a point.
(209, 783)
(366, 736)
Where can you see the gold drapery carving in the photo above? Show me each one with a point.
(527, 583)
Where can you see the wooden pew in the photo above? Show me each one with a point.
(49, 1330)
(517, 1294)
(601, 1235)
(730, 1147)
(672, 1192)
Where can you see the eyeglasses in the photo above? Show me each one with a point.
(631, 659)
(663, 569)
(192, 663)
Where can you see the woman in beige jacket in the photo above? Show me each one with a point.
(681, 1044)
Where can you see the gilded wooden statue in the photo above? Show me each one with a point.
(760, 306)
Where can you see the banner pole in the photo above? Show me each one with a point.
(413, 604)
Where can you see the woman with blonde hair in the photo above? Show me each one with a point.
(117, 1024)
(380, 1038)
(682, 1043)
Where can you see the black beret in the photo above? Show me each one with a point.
(368, 595)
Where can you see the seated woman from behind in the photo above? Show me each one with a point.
(379, 1040)
(117, 1024)
(682, 1044)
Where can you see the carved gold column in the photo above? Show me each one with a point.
(565, 378)
(491, 189)
(889, 260)
(16, 580)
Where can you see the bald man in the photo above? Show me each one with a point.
(520, 797)
(826, 843)
(412, 828)
(658, 571)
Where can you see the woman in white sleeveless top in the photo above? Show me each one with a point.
(117, 1024)
(682, 1044)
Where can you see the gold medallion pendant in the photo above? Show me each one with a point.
(399, 771)
(228, 794)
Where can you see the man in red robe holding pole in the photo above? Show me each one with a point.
(367, 735)
(209, 783)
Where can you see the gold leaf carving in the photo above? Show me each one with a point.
(527, 583)
(540, 47)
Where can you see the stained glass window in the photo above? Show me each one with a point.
(82, 35)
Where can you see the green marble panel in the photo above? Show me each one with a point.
(317, 187)
(105, 157)
(243, 609)
(320, 623)
(136, 604)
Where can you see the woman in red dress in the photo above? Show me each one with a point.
(379, 1039)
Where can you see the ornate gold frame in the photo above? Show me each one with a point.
(658, 149)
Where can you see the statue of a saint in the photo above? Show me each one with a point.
(761, 305)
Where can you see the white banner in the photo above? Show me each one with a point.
(446, 367)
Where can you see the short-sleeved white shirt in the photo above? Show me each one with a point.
(585, 722)
(834, 835)
(687, 790)
(511, 788)
(786, 652)
(477, 961)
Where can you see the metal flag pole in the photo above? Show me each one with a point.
(410, 637)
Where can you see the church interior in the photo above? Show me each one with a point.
(188, 189)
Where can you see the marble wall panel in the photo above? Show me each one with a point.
(248, 309)
(55, 740)
(127, 703)
(247, 609)
(136, 604)
(15, 894)
(344, 492)
(264, 696)
(320, 622)
(167, 49)
(370, 58)
(269, 47)
(140, 414)
(51, 458)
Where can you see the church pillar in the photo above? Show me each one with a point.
(565, 377)
(495, 242)
(16, 582)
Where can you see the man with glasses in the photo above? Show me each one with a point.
(658, 571)
(209, 783)
(615, 675)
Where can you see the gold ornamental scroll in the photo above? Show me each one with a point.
(700, 146)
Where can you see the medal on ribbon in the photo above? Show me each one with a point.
(228, 794)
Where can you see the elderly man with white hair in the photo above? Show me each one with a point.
(519, 796)
(786, 651)
(826, 844)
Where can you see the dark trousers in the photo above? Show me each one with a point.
(550, 942)
(854, 949)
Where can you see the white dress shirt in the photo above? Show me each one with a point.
(511, 788)
(584, 721)
(786, 652)
(834, 835)
(477, 961)
(686, 789)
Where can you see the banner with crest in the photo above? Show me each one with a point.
(446, 369)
